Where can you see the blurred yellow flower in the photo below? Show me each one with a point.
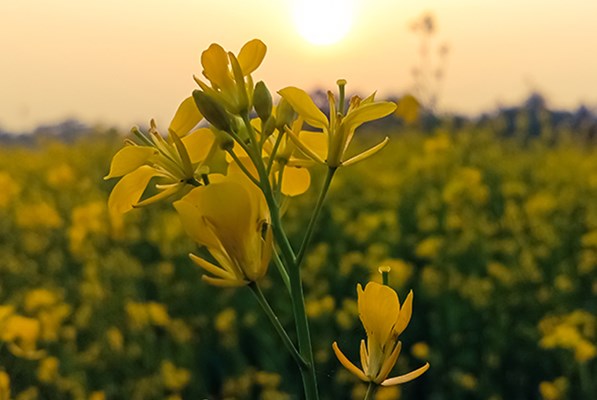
(47, 370)
(330, 145)
(384, 320)
(174, 378)
(4, 386)
(10, 189)
(231, 219)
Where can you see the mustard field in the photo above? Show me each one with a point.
(497, 237)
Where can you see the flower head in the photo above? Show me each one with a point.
(178, 162)
(231, 219)
(337, 131)
(384, 320)
(230, 75)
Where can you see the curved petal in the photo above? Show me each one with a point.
(316, 142)
(406, 377)
(198, 144)
(129, 189)
(368, 112)
(347, 364)
(378, 309)
(304, 106)
(295, 181)
(389, 363)
(187, 116)
(212, 269)
(405, 313)
(367, 153)
(230, 283)
(251, 55)
(128, 159)
(215, 66)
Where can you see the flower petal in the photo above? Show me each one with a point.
(198, 143)
(367, 153)
(129, 190)
(315, 141)
(304, 106)
(405, 313)
(378, 309)
(368, 112)
(224, 282)
(389, 363)
(187, 116)
(212, 269)
(295, 181)
(303, 147)
(251, 55)
(215, 66)
(128, 159)
(406, 377)
(348, 365)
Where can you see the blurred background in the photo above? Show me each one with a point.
(483, 203)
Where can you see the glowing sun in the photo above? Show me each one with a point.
(323, 22)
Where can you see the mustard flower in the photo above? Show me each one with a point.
(337, 131)
(178, 162)
(230, 76)
(231, 219)
(384, 320)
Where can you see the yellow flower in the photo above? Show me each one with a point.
(230, 76)
(180, 162)
(337, 131)
(231, 219)
(384, 320)
(4, 386)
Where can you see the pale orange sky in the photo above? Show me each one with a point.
(124, 62)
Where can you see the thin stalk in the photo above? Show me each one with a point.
(282, 270)
(243, 168)
(296, 286)
(370, 391)
(277, 325)
(315, 215)
(272, 155)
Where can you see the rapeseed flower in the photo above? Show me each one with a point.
(231, 219)
(179, 162)
(230, 76)
(384, 320)
(337, 131)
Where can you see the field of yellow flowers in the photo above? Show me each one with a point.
(497, 237)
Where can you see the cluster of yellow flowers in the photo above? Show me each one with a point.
(232, 180)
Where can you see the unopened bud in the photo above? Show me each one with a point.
(262, 101)
(284, 114)
(223, 139)
(212, 110)
(269, 126)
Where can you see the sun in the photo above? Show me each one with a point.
(323, 22)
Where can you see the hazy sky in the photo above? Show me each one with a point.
(125, 61)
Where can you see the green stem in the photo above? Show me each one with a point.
(243, 168)
(277, 325)
(314, 216)
(282, 270)
(296, 286)
(272, 155)
(370, 391)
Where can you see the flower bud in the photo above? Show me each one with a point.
(284, 114)
(262, 101)
(269, 126)
(212, 110)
